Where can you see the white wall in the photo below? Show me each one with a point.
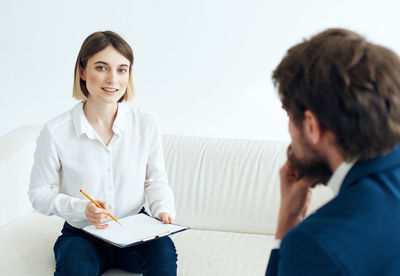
(203, 66)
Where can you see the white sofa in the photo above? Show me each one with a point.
(226, 190)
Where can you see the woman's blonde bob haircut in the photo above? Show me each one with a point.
(93, 44)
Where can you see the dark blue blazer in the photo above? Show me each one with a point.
(356, 233)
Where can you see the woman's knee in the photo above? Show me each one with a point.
(76, 256)
(161, 254)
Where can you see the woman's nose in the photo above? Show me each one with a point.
(111, 76)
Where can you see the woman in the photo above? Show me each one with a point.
(113, 152)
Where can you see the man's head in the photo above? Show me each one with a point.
(351, 87)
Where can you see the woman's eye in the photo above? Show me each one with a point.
(122, 70)
(101, 68)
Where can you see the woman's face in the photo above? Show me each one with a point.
(106, 75)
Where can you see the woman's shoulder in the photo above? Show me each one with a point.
(137, 113)
(64, 119)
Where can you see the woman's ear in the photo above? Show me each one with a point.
(312, 128)
(82, 73)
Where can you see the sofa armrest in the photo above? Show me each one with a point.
(16, 160)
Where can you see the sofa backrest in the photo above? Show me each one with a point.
(227, 184)
(16, 159)
(219, 184)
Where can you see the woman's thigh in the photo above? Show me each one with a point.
(155, 257)
(77, 254)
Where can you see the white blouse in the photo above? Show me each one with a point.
(70, 156)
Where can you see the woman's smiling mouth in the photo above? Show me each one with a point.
(109, 90)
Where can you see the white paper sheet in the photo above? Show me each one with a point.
(134, 229)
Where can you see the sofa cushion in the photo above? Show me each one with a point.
(200, 252)
(220, 253)
(28, 244)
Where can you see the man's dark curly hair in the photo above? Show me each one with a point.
(352, 87)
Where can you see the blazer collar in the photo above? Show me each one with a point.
(364, 168)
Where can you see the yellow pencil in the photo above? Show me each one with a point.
(98, 205)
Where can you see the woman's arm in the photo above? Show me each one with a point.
(45, 181)
(159, 193)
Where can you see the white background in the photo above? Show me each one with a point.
(204, 67)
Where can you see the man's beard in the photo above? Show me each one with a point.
(316, 169)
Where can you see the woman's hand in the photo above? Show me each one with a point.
(96, 215)
(165, 218)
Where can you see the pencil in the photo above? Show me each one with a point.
(98, 205)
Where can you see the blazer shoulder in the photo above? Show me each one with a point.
(302, 254)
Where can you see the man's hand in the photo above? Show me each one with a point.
(96, 215)
(295, 198)
(165, 218)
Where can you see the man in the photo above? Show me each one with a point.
(342, 96)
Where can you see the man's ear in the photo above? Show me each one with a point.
(82, 73)
(312, 128)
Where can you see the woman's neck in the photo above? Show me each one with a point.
(100, 114)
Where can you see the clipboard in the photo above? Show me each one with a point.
(134, 230)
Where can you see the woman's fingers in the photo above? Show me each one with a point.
(103, 204)
(165, 217)
(100, 226)
(97, 216)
